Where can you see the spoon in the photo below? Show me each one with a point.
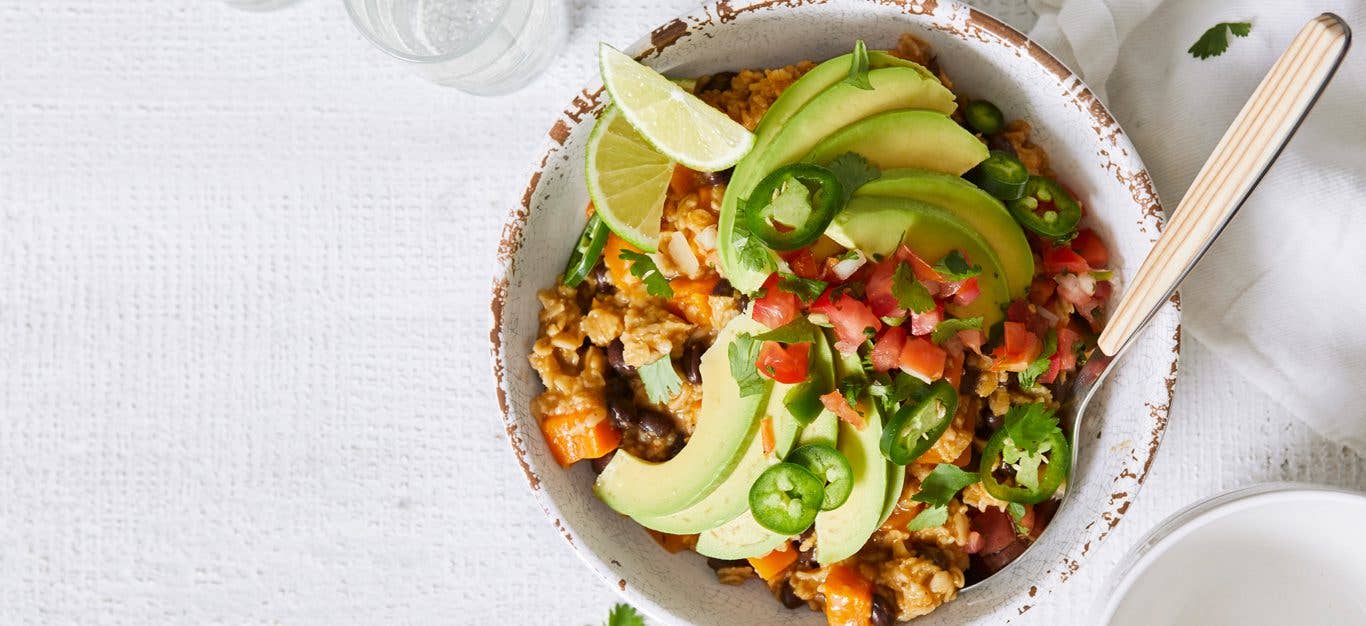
(1240, 160)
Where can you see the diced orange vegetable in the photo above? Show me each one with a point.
(953, 369)
(766, 433)
(848, 597)
(684, 180)
(618, 268)
(691, 298)
(835, 403)
(773, 563)
(573, 437)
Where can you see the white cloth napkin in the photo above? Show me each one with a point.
(1281, 296)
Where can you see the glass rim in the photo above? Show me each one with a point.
(475, 39)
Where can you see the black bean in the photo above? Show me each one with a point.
(692, 361)
(882, 612)
(742, 302)
(789, 597)
(655, 424)
(616, 357)
(712, 179)
(997, 560)
(601, 462)
(723, 288)
(719, 81)
(621, 406)
(807, 559)
(720, 564)
(602, 280)
(999, 142)
(1003, 473)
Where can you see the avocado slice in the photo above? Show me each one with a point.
(740, 538)
(842, 531)
(835, 107)
(906, 138)
(977, 208)
(731, 497)
(896, 481)
(725, 424)
(876, 225)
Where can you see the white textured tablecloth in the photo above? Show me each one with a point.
(244, 268)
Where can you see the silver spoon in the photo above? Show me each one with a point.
(1240, 160)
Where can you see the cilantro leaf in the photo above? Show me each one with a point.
(853, 171)
(795, 331)
(1027, 426)
(942, 483)
(955, 266)
(661, 380)
(1215, 40)
(908, 291)
(624, 615)
(930, 517)
(1017, 513)
(946, 329)
(851, 388)
(751, 252)
(644, 268)
(1029, 378)
(858, 70)
(743, 353)
(805, 288)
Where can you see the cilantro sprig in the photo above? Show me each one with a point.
(644, 268)
(751, 252)
(853, 171)
(908, 291)
(624, 615)
(936, 491)
(743, 354)
(1029, 430)
(946, 329)
(954, 266)
(807, 289)
(1017, 513)
(660, 379)
(1029, 378)
(1214, 41)
(796, 331)
(858, 69)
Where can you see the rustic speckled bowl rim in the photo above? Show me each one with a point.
(979, 25)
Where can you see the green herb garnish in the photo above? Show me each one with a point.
(743, 353)
(1215, 40)
(806, 289)
(1029, 378)
(954, 267)
(660, 379)
(796, 331)
(858, 70)
(908, 291)
(946, 329)
(644, 268)
(853, 171)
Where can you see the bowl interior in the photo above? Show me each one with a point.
(984, 58)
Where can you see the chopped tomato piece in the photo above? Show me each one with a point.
(582, 435)
(1018, 311)
(851, 319)
(997, 529)
(953, 369)
(886, 353)
(879, 289)
(1088, 244)
(922, 359)
(848, 597)
(1051, 375)
(1018, 350)
(923, 323)
(1041, 289)
(777, 307)
(804, 264)
(1061, 259)
(1066, 356)
(773, 563)
(835, 403)
(785, 365)
(923, 270)
(965, 292)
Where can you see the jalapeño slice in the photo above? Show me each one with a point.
(1001, 175)
(1047, 209)
(790, 208)
(786, 497)
(917, 426)
(830, 466)
(587, 252)
(1057, 457)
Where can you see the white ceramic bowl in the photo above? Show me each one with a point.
(1266, 555)
(983, 57)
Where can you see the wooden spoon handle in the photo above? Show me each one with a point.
(1239, 161)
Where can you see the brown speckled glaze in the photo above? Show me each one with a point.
(984, 56)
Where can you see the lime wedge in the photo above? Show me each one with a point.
(674, 121)
(627, 180)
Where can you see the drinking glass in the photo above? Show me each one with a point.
(483, 47)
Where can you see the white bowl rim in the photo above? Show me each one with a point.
(589, 100)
